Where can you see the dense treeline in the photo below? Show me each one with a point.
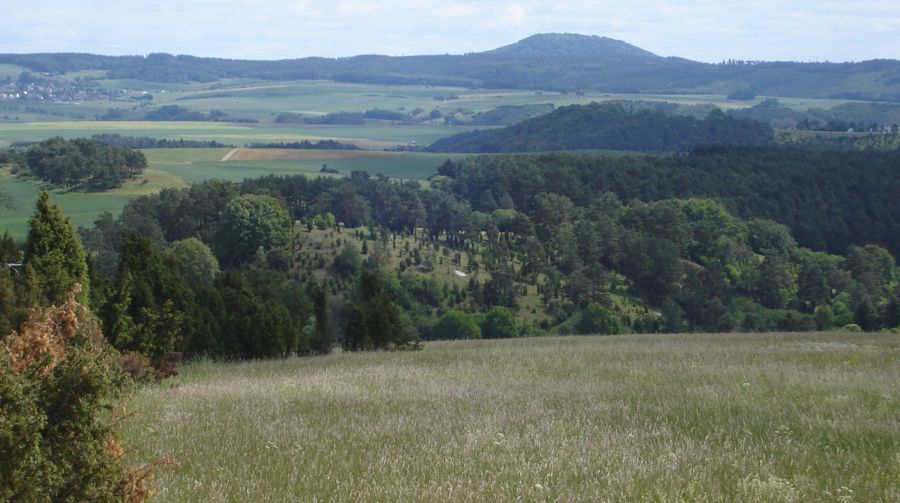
(507, 115)
(884, 141)
(548, 61)
(347, 118)
(308, 145)
(179, 113)
(829, 200)
(610, 126)
(83, 163)
(117, 140)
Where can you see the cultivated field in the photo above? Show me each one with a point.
(772, 418)
(375, 136)
(280, 154)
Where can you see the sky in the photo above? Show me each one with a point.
(702, 30)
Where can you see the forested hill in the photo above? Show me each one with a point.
(562, 62)
(610, 126)
(830, 200)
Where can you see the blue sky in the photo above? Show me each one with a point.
(703, 30)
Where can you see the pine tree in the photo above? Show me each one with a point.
(324, 340)
(373, 320)
(892, 312)
(54, 252)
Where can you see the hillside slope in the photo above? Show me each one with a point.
(609, 126)
(563, 62)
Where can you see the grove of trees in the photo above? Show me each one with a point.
(83, 163)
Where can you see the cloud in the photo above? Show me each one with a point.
(353, 8)
(515, 14)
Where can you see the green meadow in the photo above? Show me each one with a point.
(737, 417)
(81, 207)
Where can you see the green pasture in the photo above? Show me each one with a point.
(10, 71)
(82, 208)
(729, 417)
(406, 165)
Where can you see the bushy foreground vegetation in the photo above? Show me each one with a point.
(59, 379)
(765, 417)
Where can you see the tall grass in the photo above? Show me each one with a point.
(783, 417)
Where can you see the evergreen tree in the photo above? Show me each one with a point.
(373, 320)
(866, 316)
(323, 341)
(892, 312)
(149, 309)
(54, 252)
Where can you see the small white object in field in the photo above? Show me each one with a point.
(460, 273)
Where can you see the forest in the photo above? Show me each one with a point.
(828, 199)
(610, 126)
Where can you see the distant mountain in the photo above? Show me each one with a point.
(567, 46)
(562, 62)
(609, 126)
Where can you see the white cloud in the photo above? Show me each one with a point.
(515, 14)
(356, 7)
(457, 10)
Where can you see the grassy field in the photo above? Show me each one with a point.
(82, 208)
(770, 418)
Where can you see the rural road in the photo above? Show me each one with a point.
(229, 154)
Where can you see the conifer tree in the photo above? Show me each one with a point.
(54, 252)
(373, 321)
(324, 340)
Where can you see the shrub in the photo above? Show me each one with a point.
(57, 381)
(596, 319)
(499, 323)
(456, 325)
